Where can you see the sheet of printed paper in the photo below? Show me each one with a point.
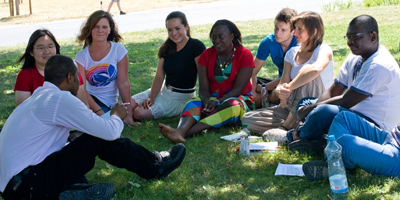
(271, 146)
(289, 170)
(236, 137)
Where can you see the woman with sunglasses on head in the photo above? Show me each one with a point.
(41, 46)
(225, 70)
(103, 64)
(176, 76)
(308, 72)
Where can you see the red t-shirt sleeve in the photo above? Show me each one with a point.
(204, 57)
(80, 79)
(23, 80)
(246, 59)
(28, 80)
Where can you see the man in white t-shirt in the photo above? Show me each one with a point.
(35, 163)
(368, 85)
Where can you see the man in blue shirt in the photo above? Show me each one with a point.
(275, 45)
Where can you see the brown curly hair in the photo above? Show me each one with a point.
(85, 36)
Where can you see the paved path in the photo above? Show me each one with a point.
(205, 13)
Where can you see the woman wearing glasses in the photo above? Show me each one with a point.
(41, 46)
(308, 72)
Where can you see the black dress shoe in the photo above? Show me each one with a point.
(170, 160)
(73, 135)
(315, 170)
(314, 146)
(79, 191)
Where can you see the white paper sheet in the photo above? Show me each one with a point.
(236, 137)
(265, 146)
(289, 170)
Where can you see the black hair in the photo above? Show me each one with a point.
(169, 46)
(233, 29)
(367, 23)
(29, 60)
(57, 69)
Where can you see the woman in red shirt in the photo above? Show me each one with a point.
(225, 89)
(41, 46)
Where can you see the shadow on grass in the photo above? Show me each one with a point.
(5, 19)
(211, 169)
(396, 55)
(8, 74)
(341, 52)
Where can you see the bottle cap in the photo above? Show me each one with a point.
(331, 137)
(244, 125)
(263, 85)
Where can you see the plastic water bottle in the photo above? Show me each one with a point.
(264, 96)
(244, 148)
(336, 170)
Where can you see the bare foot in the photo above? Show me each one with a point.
(171, 133)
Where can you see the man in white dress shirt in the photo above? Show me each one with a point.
(35, 163)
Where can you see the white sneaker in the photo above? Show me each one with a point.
(276, 134)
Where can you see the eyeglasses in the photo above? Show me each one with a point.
(354, 37)
(43, 48)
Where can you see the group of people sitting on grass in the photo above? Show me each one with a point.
(360, 106)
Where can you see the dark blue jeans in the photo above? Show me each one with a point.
(318, 121)
(365, 145)
(103, 106)
(65, 167)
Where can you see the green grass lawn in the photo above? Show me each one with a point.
(211, 169)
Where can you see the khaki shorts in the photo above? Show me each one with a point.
(264, 119)
(167, 102)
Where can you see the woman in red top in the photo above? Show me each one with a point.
(41, 46)
(225, 89)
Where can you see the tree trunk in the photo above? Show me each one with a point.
(11, 8)
(16, 7)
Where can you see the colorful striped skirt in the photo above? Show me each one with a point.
(229, 111)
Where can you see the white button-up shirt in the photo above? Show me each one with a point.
(40, 126)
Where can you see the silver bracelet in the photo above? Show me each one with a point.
(217, 102)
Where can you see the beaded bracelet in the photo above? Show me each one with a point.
(217, 102)
(98, 110)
